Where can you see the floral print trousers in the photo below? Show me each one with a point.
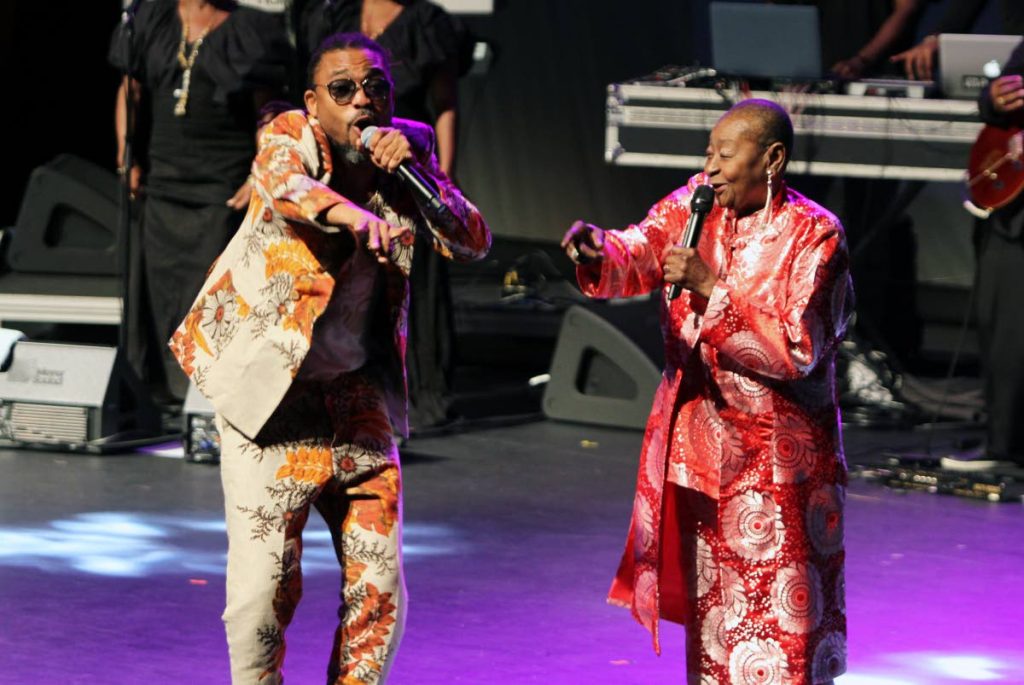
(328, 445)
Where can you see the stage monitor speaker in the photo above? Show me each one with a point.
(72, 397)
(598, 375)
(67, 223)
(202, 439)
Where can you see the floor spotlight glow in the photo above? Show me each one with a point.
(109, 523)
(966, 667)
(865, 679)
(926, 668)
(128, 544)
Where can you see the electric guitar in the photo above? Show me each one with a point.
(995, 170)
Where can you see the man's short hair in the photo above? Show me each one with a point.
(345, 41)
(773, 124)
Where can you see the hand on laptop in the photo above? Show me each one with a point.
(1007, 93)
(850, 69)
(919, 61)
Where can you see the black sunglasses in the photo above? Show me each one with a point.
(343, 90)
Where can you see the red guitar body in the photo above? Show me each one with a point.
(995, 172)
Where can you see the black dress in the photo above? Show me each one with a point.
(422, 39)
(193, 163)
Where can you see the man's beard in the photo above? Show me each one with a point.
(349, 154)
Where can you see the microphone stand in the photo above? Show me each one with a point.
(147, 417)
(124, 214)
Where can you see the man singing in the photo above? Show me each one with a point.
(737, 527)
(298, 339)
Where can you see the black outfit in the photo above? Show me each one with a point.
(193, 163)
(1000, 319)
(422, 39)
(848, 25)
(960, 16)
(883, 257)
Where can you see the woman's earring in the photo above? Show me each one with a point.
(768, 198)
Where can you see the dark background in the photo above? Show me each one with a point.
(532, 150)
(532, 129)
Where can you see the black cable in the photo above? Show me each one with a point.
(957, 350)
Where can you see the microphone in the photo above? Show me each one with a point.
(421, 188)
(701, 201)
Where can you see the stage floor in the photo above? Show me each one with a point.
(111, 570)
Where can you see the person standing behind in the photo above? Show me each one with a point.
(919, 61)
(297, 338)
(999, 245)
(737, 527)
(200, 71)
(857, 36)
(429, 50)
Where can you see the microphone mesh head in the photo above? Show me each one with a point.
(367, 134)
(702, 199)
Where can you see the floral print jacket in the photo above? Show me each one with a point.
(251, 325)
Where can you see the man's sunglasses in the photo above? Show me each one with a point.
(342, 91)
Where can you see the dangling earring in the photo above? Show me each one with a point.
(768, 198)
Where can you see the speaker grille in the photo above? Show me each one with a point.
(48, 423)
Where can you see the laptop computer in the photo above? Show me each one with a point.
(967, 61)
(766, 41)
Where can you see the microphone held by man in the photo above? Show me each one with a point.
(422, 189)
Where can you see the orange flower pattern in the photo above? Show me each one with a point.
(306, 465)
(378, 514)
(189, 335)
(744, 419)
(366, 632)
(220, 310)
(184, 349)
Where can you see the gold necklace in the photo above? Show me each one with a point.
(186, 62)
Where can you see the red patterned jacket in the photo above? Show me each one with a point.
(748, 378)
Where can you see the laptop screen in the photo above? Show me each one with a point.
(766, 41)
(968, 60)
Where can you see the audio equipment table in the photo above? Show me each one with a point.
(664, 125)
